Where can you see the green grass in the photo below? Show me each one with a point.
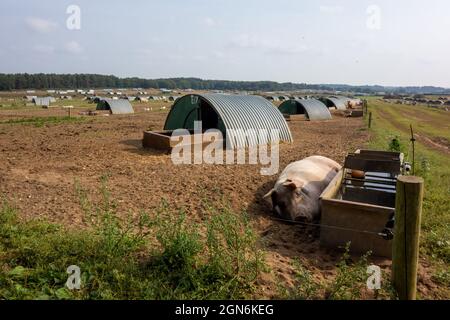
(41, 121)
(434, 166)
(162, 256)
(19, 103)
(429, 121)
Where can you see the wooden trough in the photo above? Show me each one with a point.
(161, 140)
(354, 113)
(357, 208)
(294, 117)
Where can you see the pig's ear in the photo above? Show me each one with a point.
(290, 184)
(268, 196)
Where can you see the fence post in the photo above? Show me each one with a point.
(370, 119)
(405, 246)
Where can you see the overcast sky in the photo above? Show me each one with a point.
(402, 42)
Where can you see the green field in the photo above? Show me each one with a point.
(432, 162)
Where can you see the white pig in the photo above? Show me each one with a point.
(296, 193)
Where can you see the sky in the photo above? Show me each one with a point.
(358, 42)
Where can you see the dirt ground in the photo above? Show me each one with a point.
(39, 167)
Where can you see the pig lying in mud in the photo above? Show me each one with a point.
(296, 193)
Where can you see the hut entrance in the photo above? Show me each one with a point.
(209, 117)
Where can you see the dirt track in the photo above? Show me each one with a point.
(39, 165)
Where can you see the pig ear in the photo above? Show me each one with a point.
(290, 185)
(268, 196)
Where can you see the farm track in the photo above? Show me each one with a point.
(440, 144)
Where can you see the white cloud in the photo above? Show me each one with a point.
(73, 47)
(41, 25)
(45, 49)
(331, 9)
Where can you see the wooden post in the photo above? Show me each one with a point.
(370, 119)
(405, 246)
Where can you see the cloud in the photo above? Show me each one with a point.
(331, 9)
(41, 25)
(73, 47)
(44, 49)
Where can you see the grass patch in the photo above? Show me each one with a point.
(434, 166)
(41, 121)
(141, 257)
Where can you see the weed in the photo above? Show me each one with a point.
(41, 121)
(159, 257)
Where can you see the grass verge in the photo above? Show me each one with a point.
(431, 164)
(141, 257)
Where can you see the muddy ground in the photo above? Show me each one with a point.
(39, 167)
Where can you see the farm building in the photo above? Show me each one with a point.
(174, 98)
(119, 106)
(95, 99)
(142, 99)
(228, 112)
(339, 103)
(43, 101)
(312, 109)
(273, 98)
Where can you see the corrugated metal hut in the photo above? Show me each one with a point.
(312, 109)
(272, 98)
(119, 106)
(43, 101)
(174, 98)
(142, 99)
(228, 112)
(339, 103)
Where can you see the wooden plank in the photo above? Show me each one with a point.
(350, 215)
(370, 196)
(296, 117)
(380, 153)
(373, 165)
(333, 187)
(162, 139)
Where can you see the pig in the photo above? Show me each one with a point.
(296, 193)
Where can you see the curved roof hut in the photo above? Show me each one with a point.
(339, 103)
(273, 98)
(283, 98)
(240, 115)
(173, 98)
(43, 101)
(141, 98)
(119, 106)
(312, 109)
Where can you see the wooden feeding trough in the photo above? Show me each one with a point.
(359, 203)
(294, 117)
(352, 113)
(162, 140)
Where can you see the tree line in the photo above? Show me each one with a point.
(43, 81)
